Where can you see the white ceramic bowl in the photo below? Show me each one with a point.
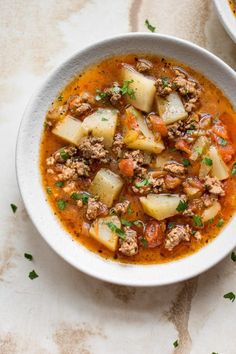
(226, 17)
(27, 161)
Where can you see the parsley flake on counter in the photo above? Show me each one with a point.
(197, 221)
(149, 26)
(230, 296)
(116, 230)
(61, 204)
(80, 196)
(183, 205)
(33, 275)
(207, 161)
(13, 208)
(233, 256)
(176, 343)
(233, 171)
(28, 256)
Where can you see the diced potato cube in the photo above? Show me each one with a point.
(160, 206)
(199, 147)
(161, 160)
(171, 108)
(102, 233)
(69, 129)
(219, 169)
(211, 212)
(107, 185)
(143, 87)
(144, 138)
(102, 123)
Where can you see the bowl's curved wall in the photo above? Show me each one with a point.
(27, 161)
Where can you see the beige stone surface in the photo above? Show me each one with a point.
(64, 311)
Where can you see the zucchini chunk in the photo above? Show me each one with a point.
(101, 123)
(160, 206)
(142, 138)
(107, 185)
(69, 129)
(171, 108)
(219, 168)
(103, 234)
(144, 88)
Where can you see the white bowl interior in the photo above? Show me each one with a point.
(227, 17)
(29, 179)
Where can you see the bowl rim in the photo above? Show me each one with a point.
(191, 272)
(227, 18)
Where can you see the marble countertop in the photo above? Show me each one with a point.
(64, 311)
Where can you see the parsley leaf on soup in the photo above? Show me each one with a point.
(126, 90)
(220, 223)
(183, 205)
(64, 155)
(233, 171)
(222, 141)
(80, 196)
(176, 343)
(100, 95)
(149, 26)
(207, 161)
(197, 221)
(59, 184)
(116, 230)
(230, 296)
(144, 242)
(143, 183)
(186, 162)
(61, 204)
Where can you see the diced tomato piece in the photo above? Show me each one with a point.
(131, 121)
(154, 234)
(183, 146)
(226, 152)
(126, 167)
(158, 125)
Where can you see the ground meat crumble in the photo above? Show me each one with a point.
(129, 246)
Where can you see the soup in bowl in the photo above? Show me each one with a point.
(136, 160)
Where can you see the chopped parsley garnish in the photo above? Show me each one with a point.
(59, 184)
(233, 256)
(64, 155)
(80, 196)
(210, 221)
(130, 210)
(190, 131)
(222, 142)
(49, 190)
(13, 208)
(60, 98)
(198, 150)
(149, 26)
(125, 89)
(143, 183)
(207, 161)
(116, 229)
(100, 95)
(33, 275)
(165, 81)
(61, 204)
(176, 343)
(28, 256)
(130, 223)
(197, 221)
(186, 162)
(230, 296)
(233, 171)
(104, 119)
(144, 242)
(183, 205)
(170, 225)
(220, 223)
